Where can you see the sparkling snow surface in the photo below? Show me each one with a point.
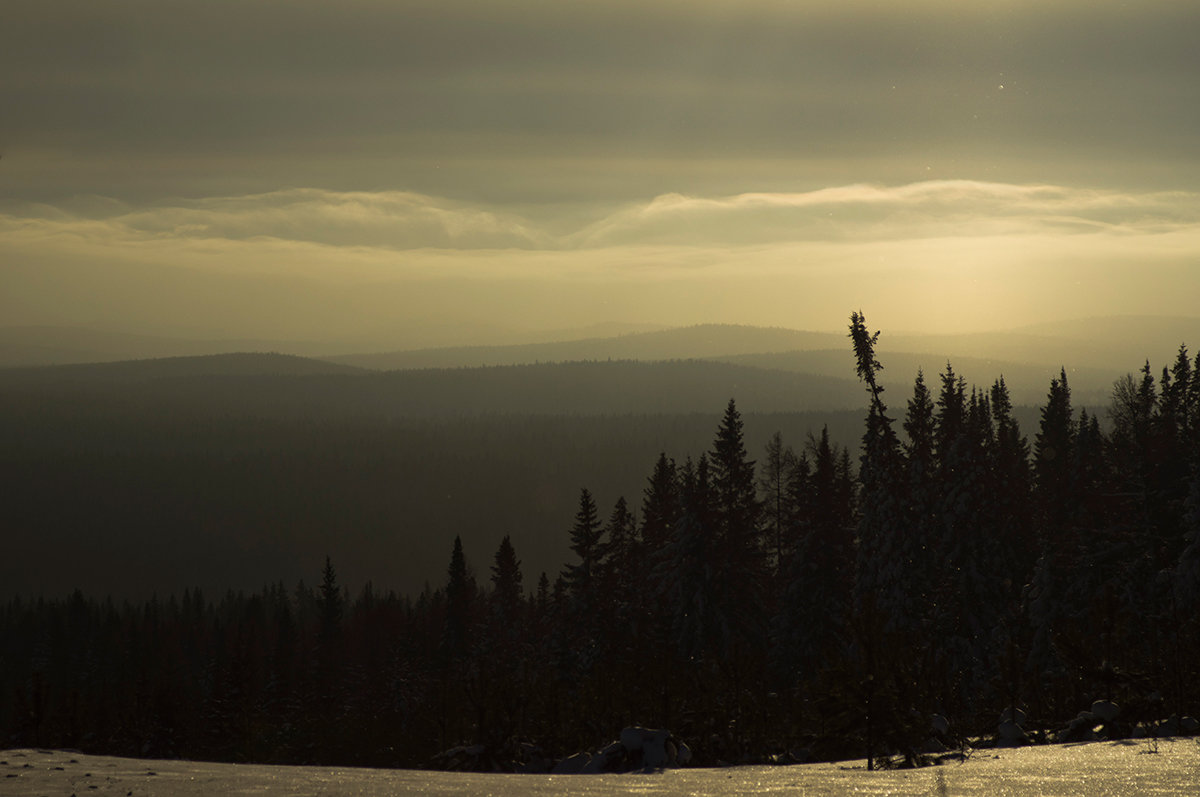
(1099, 768)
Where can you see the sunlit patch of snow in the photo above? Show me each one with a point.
(1099, 768)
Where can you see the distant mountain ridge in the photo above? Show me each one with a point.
(682, 369)
(228, 364)
(67, 345)
(1112, 345)
(1094, 351)
(47, 345)
(703, 341)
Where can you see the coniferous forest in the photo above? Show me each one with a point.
(803, 602)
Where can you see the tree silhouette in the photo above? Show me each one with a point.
(507, 591)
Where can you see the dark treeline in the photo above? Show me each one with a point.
(800, 598)
(132, 501)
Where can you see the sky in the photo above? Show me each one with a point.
(391, 174)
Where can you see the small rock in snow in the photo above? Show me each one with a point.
(1105, 710)
(571, 765)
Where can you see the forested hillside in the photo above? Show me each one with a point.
(277, 386)
(203, 472)
(151, 499)
(803, 598)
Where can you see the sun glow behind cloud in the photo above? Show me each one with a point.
(935, 255)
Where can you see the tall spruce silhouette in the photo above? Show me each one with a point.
(460, 591)
(507, 590)
(582, 582)
(582, 575)
(882, 607)
(739, 594)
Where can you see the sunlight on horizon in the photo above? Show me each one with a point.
(419, 169)
(939, 256)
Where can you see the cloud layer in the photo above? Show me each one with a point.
(534, 100)
(369, 168)
(406, 220)
(379, 265)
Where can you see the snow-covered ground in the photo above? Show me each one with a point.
(1097, 768)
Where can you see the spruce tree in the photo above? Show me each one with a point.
(460, 591)
(1053, 457)
(950, 420)
(1055, 508)
(968, 608)
(660, 506)
(830, 512)
(1090, 477)
(586, 543)
(1187, 572)
(773, 482)
(1181, 389)
(919, 426)
(330, 659)
(503, 675)
(922, 493)
(622, 560)
(507, 592)
(790, 646)
(810, 624)
(800, 498)
(653, 572)
(541, 599)
(1012, 483)
(738, 511)
(881, 572)
(882, 608)
(1193, 408)
(332, 606)
(689, 575)
(581, 580)
(739, 556)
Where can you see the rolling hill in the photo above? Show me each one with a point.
(683, 343)
(229, 471)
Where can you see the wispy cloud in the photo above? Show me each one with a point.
(389, 219)
(397, 220)
(957, 208)
(944, 254)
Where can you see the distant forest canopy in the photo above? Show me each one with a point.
(147, 500)
(801, 597)
(231, 471)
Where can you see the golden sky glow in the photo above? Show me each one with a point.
(400, 173)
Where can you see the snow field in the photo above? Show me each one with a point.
(1098, 768)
